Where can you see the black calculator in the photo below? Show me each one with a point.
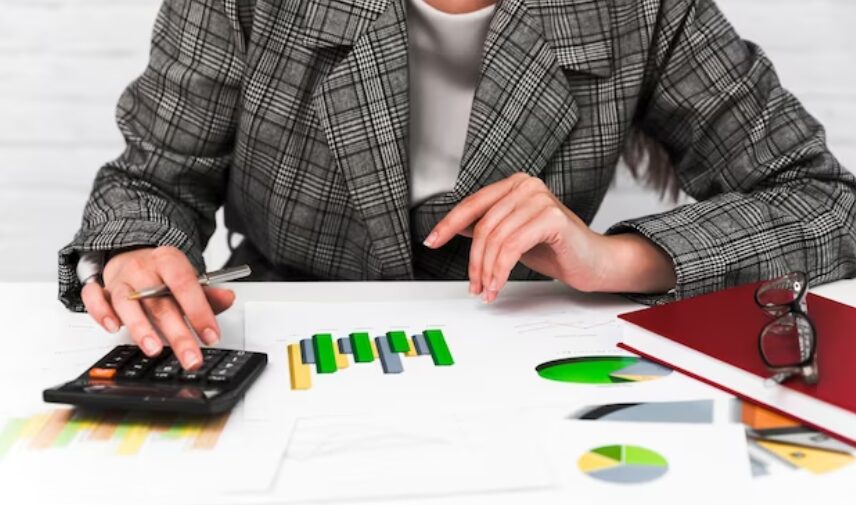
(126, 379)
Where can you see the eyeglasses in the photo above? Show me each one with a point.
(788, 343)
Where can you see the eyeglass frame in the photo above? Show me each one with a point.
(798, 308)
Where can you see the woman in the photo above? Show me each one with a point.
(342, 134)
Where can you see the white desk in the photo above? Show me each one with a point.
(32, 317)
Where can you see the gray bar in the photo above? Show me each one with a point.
(345, 346)
(307, 352)
(390, 361)
(421, 345)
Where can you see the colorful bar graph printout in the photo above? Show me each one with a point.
(438, 347)
(325, 357)
(389, 359)
(298, 370)
(331, 355)
(362, 347)
(398, 341)
(126, 434)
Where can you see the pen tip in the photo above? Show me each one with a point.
(134, 296)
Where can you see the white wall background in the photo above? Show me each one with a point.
(63, 64)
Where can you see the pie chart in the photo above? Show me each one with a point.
(602, 370)
(623, 464)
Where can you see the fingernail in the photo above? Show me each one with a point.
(111, 324)
(191, 359)
(210, 336)
(493, 286)
(150, 345)
(432, 237)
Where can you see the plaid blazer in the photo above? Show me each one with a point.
(294, 115)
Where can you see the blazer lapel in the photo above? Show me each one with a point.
(524, 107)
(363, 108)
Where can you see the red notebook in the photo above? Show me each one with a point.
(714, 338)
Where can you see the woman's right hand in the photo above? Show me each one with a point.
(138, 269)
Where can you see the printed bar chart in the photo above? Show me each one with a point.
(64, 428)
(362, 347)
(330, 356)
(325, 357)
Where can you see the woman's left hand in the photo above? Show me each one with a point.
(518, 219)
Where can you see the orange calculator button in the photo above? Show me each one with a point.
(102, 373)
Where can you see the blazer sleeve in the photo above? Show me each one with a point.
(178, 120)
(771, 197)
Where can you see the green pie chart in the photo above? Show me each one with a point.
(623, 464)
(602, 370)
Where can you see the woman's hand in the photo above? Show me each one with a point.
(519, 219)
(128, 272)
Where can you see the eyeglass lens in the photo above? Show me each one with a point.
(787, 341)
(777, 295)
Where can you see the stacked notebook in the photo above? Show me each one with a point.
(714, 338)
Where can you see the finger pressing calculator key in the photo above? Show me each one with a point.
(126, 379)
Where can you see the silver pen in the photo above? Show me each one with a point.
(207, 279)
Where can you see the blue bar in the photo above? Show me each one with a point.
(345, 345)
(390, 361)
(307, 353)
(421, 345)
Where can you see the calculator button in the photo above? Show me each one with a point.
(102, 373)
(117, 358)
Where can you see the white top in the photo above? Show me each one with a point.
(445, 59)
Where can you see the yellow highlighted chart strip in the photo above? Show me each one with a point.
(211, 432)
(51, 429)
(34, 425)
(133, 440)
(300, 374)
(374, 348)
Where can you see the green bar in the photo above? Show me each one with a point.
(175, 430)
(398, 341)
(10, 434)
(72, 426)
(362, 347)
(325, 357)
(438, 347)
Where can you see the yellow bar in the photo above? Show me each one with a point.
(211, 432)
(374, 348)
(34, 425)
(412, 352)
(300, 374)
(52, 428)
(134, 440)
(341, 359)
(816, 461)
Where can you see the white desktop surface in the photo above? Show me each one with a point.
(31, 316)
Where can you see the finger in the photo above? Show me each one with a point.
(178, 274)
(219, 298)
(469, 210)
(99, 308)
(530, 235)
(528, 193)
(132, 315)
(522, 216)
(167, 316)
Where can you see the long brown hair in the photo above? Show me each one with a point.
(650, 163)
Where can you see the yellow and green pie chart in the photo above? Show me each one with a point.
(623, 464)
(602, 370)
